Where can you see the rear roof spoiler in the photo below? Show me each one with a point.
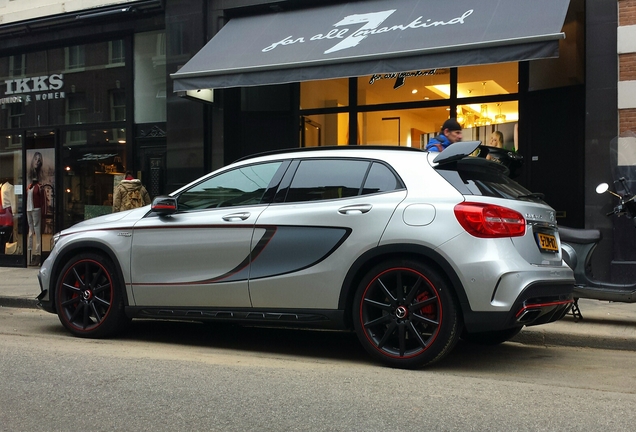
(456, 151)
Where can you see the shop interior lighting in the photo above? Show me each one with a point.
(472, 113)
(465, 89)
(500, 118)
(206, 95)
(483, 120)
(460, 116)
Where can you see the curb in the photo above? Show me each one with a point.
(546, 338)
(18, 302)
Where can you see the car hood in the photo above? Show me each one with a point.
(121, 219)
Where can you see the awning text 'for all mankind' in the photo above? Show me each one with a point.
(373, 37)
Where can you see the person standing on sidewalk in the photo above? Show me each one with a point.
(129, 194)
(450, 133)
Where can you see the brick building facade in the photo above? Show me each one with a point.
(627, 65)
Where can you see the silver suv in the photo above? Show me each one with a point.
(411, 249)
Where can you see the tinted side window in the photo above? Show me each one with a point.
(327, 179)
(240, 186)
(380, 179)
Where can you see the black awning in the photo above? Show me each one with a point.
(372, 37)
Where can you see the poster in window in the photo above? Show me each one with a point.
(41, 168)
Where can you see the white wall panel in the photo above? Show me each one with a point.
(626, 94)
(626, 39)
(22, 10)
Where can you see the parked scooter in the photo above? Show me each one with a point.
(578, 245)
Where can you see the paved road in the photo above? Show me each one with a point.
(605, 324)
(183, 376)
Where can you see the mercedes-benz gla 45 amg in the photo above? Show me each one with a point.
(411, 250)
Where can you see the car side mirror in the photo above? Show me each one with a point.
(164, 205)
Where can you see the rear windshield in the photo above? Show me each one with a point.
(478, 176)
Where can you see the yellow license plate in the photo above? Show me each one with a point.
(547, 242)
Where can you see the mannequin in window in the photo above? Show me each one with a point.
(35, 200)
(7, 199)
(35, 170)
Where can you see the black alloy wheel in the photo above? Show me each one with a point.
(405, 315)
(88, 297)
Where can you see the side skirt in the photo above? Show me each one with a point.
(309, 318)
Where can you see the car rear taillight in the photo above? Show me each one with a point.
(490, 221)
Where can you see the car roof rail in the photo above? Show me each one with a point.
(325, 148)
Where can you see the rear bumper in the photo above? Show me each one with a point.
(540, 303)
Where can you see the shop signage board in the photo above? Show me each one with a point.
(30, 89)
(373, 37)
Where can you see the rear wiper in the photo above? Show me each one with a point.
(533, 195)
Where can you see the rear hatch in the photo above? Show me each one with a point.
(483, 181)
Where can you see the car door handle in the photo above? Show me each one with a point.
(234, 216)
(355, 209)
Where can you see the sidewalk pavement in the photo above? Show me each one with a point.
(604, 325)
(19, 287)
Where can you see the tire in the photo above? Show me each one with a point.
(405, 315)
(89, 297)
(491, 337)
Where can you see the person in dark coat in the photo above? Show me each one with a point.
(450, 133)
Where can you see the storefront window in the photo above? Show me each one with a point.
(324, 94)
(421, 85)
(420, 102)
(475, 115)
(17, 65)
(150, 77)
(15, 116)
(76, 108)
(117, 105)
(91, 170)
(66, 85)
(75, 57)
(39, 195)
(11, 234)
(407, 127)
(324, 130)
(116, 52)
(481, 120)
(497, 79)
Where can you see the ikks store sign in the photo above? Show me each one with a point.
(40, 88)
